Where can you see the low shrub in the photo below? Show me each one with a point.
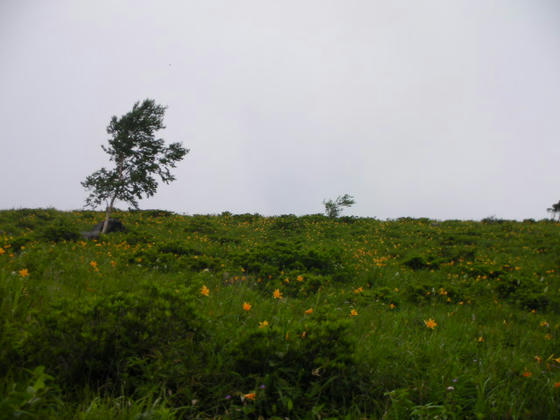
(177, 248)
(279, 256)
(525, 292)
(288, 224)
(112, 339)
(295, 369)
(35, 396)
(59, 230)
(417, 262)
(200, 224)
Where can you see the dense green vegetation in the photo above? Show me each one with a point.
(244, 316)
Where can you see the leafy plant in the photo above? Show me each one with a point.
(271, 259)
(555, 209)
(223, 316)
(59, 230)
(114, 338)
(30, 399)
(309, 364)
(334, 208)
(138, 156)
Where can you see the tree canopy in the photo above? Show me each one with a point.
(555, 209)
(334, 208)
(139, 157)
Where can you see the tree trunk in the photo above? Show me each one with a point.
(110, 206)
(108, 214)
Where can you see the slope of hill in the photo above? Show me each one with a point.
(241, 316)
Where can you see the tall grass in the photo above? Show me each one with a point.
(244, 316)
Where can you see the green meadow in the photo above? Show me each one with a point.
(245, 316)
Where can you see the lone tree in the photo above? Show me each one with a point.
(138, 157)
(334, 208)
(555, 210)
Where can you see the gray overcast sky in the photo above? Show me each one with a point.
(441, 109)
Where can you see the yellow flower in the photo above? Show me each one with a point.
(480, 339)
(353, 312)
(430, 323)
(392, 306)
(557, 360)
(359, 290)
(277, 294)
(538, 359)
(93, 264)
(247, 306)
(309, 311)
(251, 396)
(24, 272)
(205, 291)
(2, 251)
(263, 324)
(299, 278)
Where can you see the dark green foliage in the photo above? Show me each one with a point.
(138, 156)
(200, 224)
(172, 256)
(45, 224)
(334, 208)
(177, 248)
(493, 220)
(59, 230)
(204, 262)
(424, 292)
(225, 239)
(314, 218)
(524, 291)
(348, 219)
(111, 340)
(153, 213)
(137, 238)
(555, 209)
(288, 224)
(383, 294)
(14, 222)
(418, 293)
(17, 242)
(419, 263)
(33, 397)
(311, 283)
(271, 259)
(246, 217)
(466, 238)
(305, 366)
(151, 323)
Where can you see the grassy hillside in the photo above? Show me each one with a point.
(244, 316)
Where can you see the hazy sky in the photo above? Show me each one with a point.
(441, 109)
